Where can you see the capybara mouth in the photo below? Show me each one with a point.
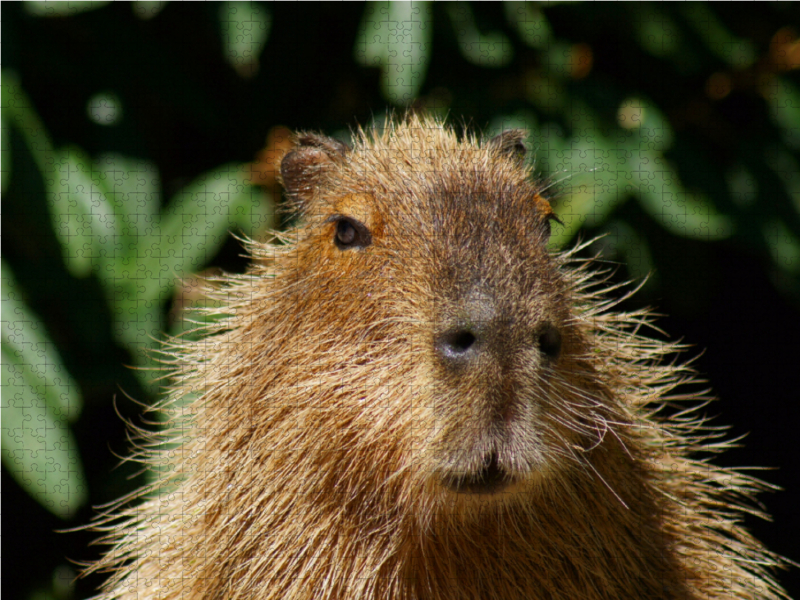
(491, 478)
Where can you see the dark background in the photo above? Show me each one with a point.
(188, 109)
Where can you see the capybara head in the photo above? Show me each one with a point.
(423, 276)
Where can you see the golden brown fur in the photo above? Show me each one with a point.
(326, 443)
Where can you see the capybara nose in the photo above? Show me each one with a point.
(471, 329)
(459, 345)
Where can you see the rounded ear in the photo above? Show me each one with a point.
(511, 144)
(303, 167)
(545, 209)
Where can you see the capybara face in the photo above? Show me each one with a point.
(437, 263)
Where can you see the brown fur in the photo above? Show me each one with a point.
(315, 429)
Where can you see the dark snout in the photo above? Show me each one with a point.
(478, 329)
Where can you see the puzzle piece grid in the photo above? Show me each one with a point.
(111, 226)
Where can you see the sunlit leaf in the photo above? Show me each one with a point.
(197, 221)
(139, 325)
(39, 398)
(245, 29)
(396, 36)
(81, 214)
(133, 189)
(28, 347)
(38, 448)
(589, 173)
(655, 131)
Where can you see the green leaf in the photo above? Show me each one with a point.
(38, 448)
(30, 350)
(660, 193)
(486, 49)
(655, 131)
(737, 52)
(132, 188)
(197, 221)
(139, 326)
(530, 22)
(589, 171)
(656, 31)
(147, 9)
(38, 399)
(784, 246)
(396, 36)
(82, 216)
(18, 109)
(245, 29)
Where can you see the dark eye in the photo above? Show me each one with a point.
(350, 233)
(550, 342)
(345, 233)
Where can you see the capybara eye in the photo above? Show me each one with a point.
(345, 233)
(350, 233)
(550, 342)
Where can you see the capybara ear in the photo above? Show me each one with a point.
(510, 143)
(303, 167)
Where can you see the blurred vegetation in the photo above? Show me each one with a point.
(137, 137)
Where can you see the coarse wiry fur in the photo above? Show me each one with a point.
(318, 439)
